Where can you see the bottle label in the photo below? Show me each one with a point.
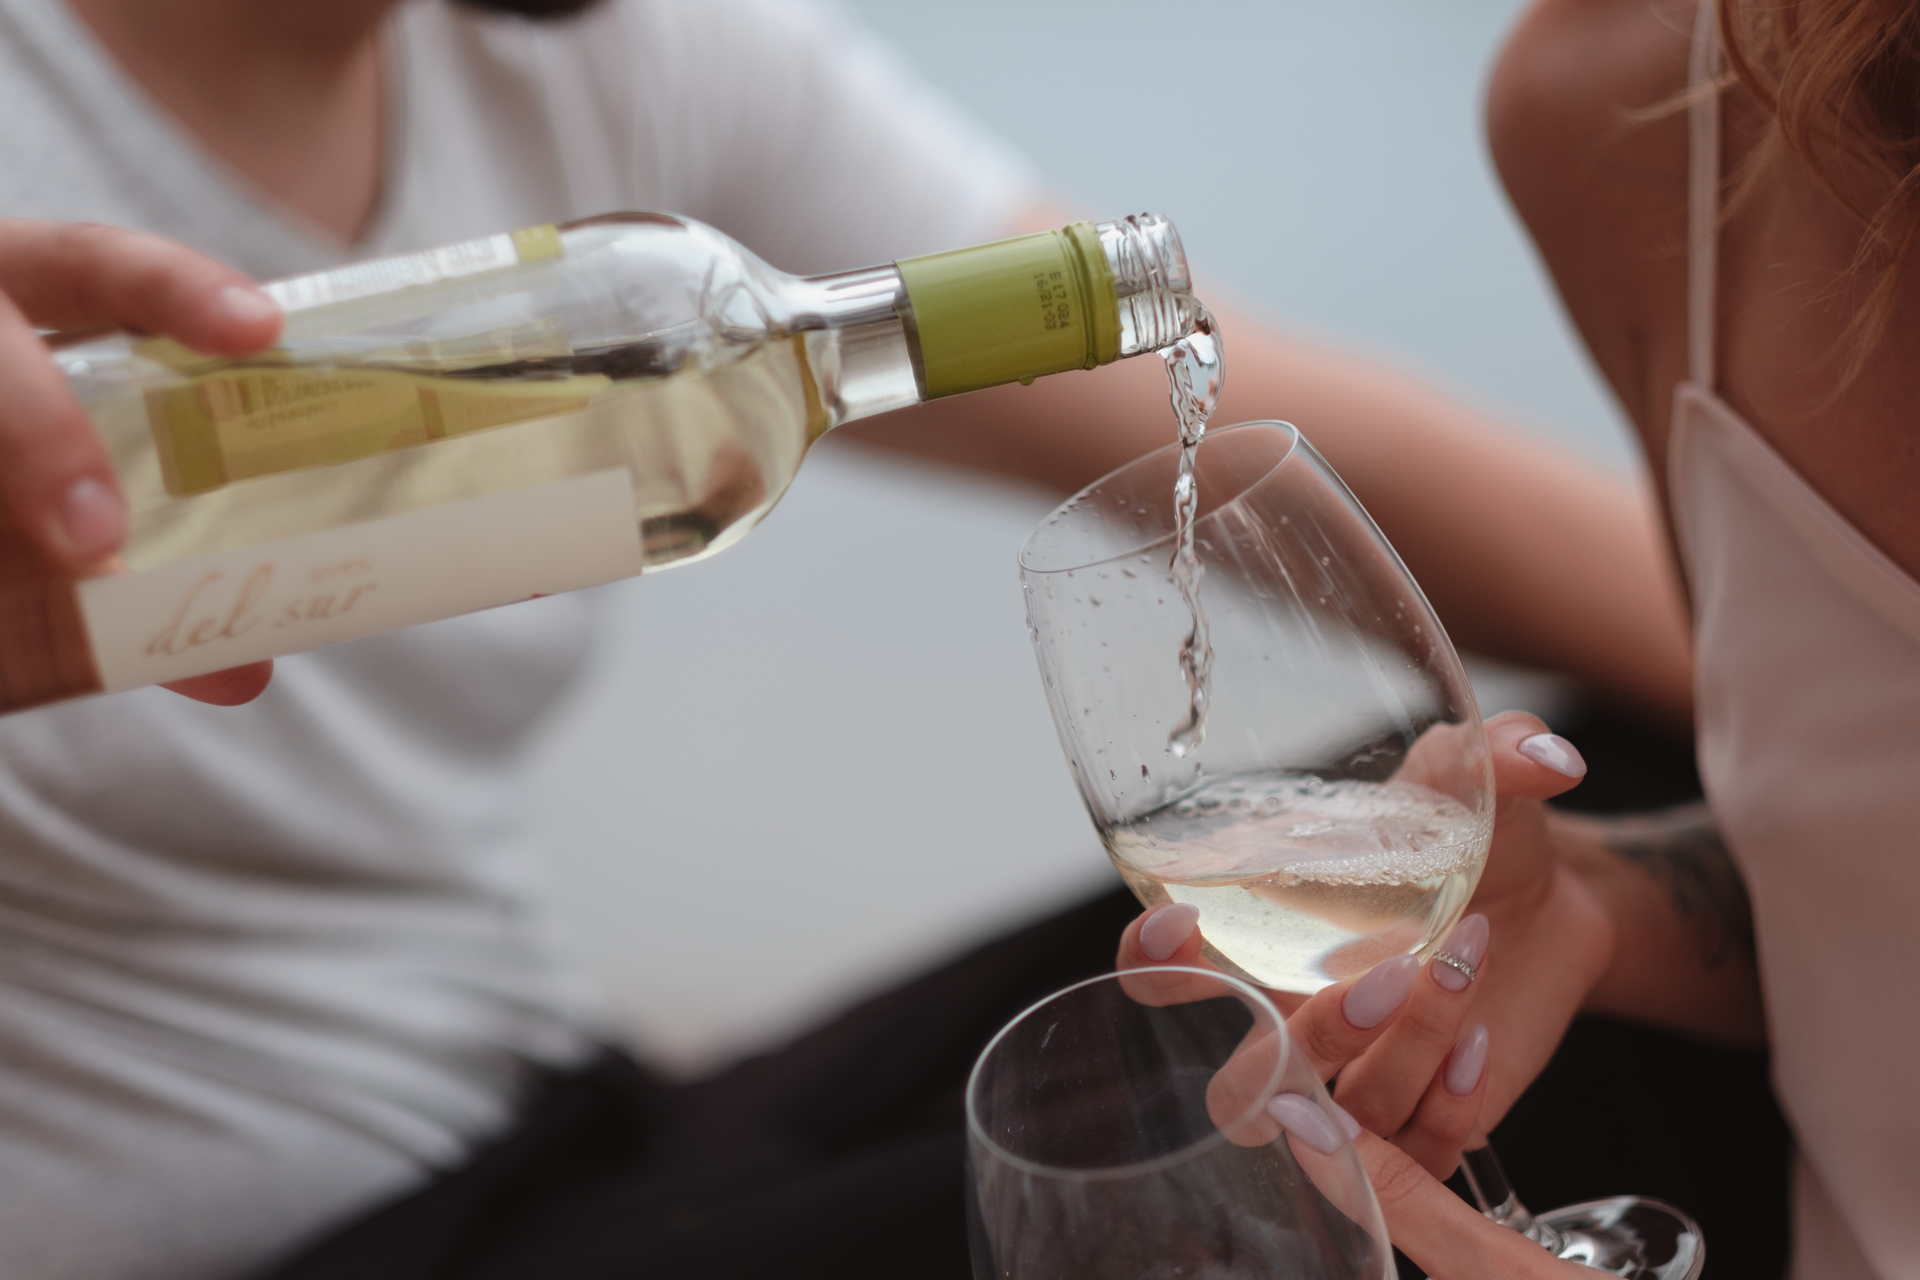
(1012, 311)
(260, 421)
(384, 275)
(217, 610)
(227, 422)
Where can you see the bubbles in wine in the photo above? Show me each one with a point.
(1302, 880)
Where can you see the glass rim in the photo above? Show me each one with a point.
(1295, 440)
(1210, 1142)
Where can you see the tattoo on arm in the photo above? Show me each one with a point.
(1682, 849)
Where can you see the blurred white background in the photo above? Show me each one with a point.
(823, 759)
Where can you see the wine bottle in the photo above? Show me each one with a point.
(522, 415)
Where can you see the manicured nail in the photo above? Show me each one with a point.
(93, 519)
(1466, 1063)
(1167, 928)
(239, 304)
(1384, 989)
(1555, 752)
(1348, 1125)
(1300, 1117)
(1457, 963)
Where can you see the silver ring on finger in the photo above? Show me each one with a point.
(1458, 965)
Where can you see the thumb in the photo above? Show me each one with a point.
(1530, 761)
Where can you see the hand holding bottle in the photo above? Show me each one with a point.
(512, 416)
(63, 511)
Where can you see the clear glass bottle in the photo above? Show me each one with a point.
(527, 414)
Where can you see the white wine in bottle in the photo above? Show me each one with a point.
(522, 415)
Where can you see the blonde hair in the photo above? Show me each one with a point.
(1841, 80)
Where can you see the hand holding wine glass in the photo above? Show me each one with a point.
(1443, 1016)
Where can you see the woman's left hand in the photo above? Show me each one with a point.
(1524, 974)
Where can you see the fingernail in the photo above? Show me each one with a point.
(1348, 1125)
(239, 304)
(1466, 1063)
(1467, 943)
(1555, 752)
(93, 519)
(1384, 989)
(1298, 1115)
(1167, 928)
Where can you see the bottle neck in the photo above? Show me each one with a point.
(1152, 287)
(858, 341)
(886, 337)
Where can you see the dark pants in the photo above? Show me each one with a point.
(841, 1154)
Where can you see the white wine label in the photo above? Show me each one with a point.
(246, 422)
(449, 262)
(228, 607)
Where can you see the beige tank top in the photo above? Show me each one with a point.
(1807, 641)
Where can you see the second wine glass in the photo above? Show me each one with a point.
(1158, 1125)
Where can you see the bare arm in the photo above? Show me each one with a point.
(1683, 952)
(1527, 553)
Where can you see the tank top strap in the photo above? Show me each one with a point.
(1703, 194)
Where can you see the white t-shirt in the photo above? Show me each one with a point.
(261, 968)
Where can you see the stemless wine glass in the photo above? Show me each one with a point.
(1338, 809)
(1125, 1129)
